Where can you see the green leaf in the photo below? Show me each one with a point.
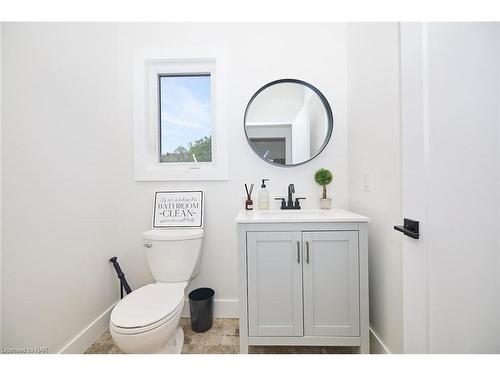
(323, 177)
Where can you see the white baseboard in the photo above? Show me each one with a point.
(376, 344)
(223, 308)
(87, 336)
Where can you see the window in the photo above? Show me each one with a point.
(180, 117)
(185, 118)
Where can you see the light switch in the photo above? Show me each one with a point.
(366, 182)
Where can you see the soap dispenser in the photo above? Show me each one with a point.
(264, 196)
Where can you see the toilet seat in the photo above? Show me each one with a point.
(146, 329)
(147, 308)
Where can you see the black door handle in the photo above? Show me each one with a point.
(410, 228)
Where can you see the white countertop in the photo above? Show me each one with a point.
(335, 215)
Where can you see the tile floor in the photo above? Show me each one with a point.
(222, 338)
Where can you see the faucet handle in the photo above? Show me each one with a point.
(283, 202)
(297, 203)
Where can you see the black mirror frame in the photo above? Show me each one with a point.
(326, 105)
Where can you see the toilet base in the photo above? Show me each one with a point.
(174, 346)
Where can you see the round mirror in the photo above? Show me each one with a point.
(288, 122)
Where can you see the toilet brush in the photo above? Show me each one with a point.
(121, 276)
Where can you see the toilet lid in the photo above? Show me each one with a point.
(173, 234)
(148, 305)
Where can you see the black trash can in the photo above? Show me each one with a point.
(201, 308)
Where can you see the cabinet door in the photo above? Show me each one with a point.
(274, 284)
(331, 283)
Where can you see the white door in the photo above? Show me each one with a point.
(274, 284)
(331, 283)
(450, 149)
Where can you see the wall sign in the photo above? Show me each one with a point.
(178, 209)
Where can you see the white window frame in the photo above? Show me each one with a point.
(148, 66)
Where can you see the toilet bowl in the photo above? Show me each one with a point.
(147, 320)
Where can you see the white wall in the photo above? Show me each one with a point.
(69, 196)
(374, 150)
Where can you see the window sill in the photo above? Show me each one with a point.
(162, 172)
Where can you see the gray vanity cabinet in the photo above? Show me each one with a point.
(274, 284)
(331, 283)
(303, 283)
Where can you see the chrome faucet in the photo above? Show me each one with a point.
(290, 205)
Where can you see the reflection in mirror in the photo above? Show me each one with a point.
(288, 122)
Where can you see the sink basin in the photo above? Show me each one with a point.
(293, 212)
(299, 216)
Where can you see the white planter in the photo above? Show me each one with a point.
(325, 203)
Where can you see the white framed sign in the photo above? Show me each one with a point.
(179, 208)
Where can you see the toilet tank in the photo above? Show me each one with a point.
(173, 254)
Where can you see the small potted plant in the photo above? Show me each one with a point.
(323, 177)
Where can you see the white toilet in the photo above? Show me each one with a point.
(147, 320)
